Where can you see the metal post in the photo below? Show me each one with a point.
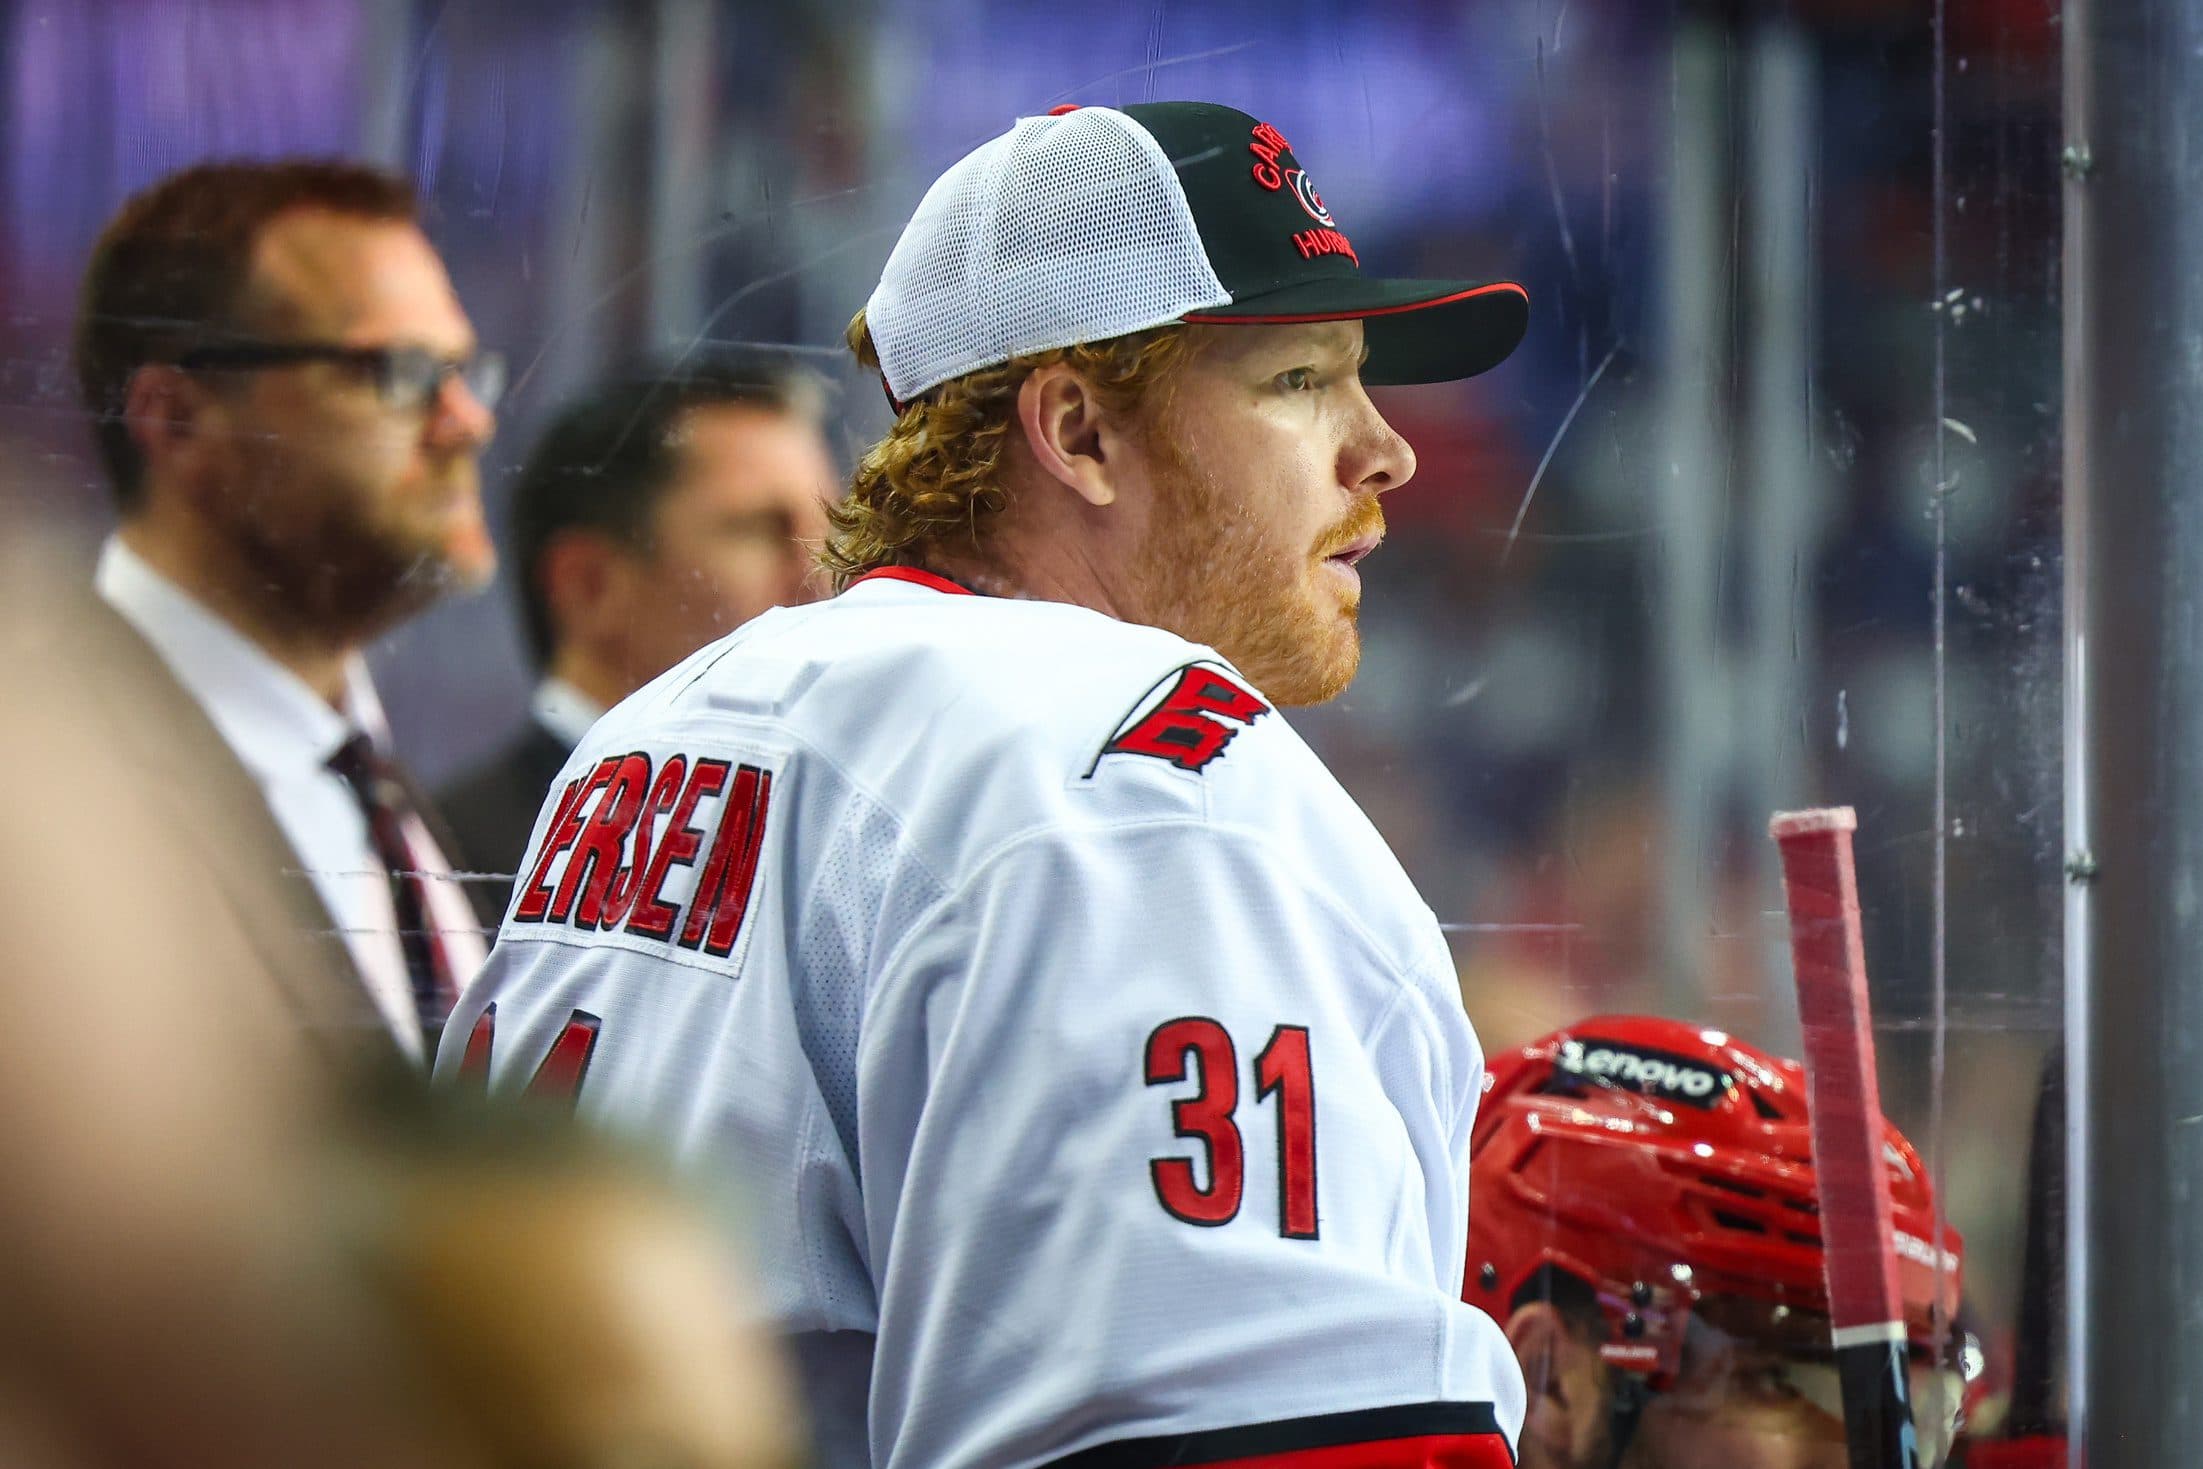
(1692, 471)
(1778, 437)
(386, 78)
(588, 292)
(684, 174)
(2133, 313)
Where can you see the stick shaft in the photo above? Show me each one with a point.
(1877, 1406)
(1865, 1308)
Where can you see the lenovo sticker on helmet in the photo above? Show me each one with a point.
(1658, 1074)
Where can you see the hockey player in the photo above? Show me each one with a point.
(1100, 1081)
(1644, 1223)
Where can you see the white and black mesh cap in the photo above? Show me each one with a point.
(1094, 222)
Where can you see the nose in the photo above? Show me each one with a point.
(459, 419)
(1376, 458)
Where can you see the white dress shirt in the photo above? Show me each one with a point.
(283, 733)
(564, 710)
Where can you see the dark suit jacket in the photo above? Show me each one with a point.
(166, 751)
(492, 809)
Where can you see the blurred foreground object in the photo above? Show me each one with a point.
(1645, 1225)
(191, 1200)
(170, 1300)
(657, 514)
(565, 1304)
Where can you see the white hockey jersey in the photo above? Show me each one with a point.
(1098, 1082)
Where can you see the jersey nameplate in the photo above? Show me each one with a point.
(1201, 711)
(623, 837)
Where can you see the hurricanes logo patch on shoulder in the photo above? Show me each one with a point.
(1201, 711)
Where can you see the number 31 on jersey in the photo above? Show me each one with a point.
(1197, 1049)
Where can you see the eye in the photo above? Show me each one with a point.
(1297, 379)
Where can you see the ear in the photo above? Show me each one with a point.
(1561, 1371)
(164, 409)
(1065, 430)
(578, 574)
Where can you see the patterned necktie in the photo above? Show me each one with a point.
(385, 801)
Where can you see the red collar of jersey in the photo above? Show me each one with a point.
(916, 577)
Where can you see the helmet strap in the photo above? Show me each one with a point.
(1630, 1396)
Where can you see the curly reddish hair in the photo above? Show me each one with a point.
(935, 480)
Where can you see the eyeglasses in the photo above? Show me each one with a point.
(406, 378)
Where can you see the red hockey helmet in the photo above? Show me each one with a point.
(1670, 1168)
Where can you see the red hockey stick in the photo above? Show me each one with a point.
(1863, 1304)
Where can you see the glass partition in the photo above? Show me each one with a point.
(1763, 515)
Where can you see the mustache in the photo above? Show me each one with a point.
(1367, 518)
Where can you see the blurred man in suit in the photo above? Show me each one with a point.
(289, 404)
(656, 515)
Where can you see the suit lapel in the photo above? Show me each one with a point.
(189, 774)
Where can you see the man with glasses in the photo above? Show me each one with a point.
(289, 404)
(658, 513)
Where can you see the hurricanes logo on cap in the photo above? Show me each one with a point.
(1267, 145)
(1305, 191)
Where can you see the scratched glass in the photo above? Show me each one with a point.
(1763, 515)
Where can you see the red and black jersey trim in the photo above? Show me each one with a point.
(915, 577)
(1410, 1436)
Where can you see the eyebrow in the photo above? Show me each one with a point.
(1334, 341)
(1322, 340)
(1334, 337)
(1328, 340)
